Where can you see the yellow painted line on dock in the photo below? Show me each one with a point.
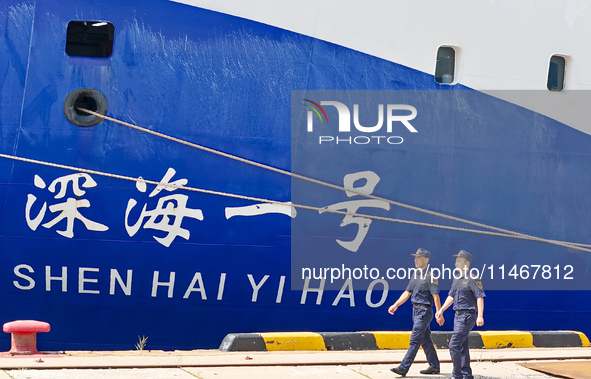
(292, 341)
(584, 339)
(392, 340)
(506, 338)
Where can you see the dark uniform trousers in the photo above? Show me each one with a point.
(420, 336)
(459, 345)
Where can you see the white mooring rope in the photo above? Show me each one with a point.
(504, 232)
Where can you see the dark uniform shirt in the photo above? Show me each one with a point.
(422, 288)
(465, 291)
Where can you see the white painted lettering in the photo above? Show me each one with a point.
(369, 292)
(201, 289)
(82, 279)
(169, 284)
(260, 209)
(17, 272)
(256, 287)
(280, 289)
(348, 285)
(306, 289)
(221, 286)
(116, 277)
(63, 278)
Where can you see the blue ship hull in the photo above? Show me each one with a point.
(239, 86)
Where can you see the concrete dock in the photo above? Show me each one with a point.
(205, 364)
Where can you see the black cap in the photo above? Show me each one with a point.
(422, 253)
(464, 254)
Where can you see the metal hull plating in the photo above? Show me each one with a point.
(106, 271)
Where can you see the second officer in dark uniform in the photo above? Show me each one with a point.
(467, 296)
(425, 293)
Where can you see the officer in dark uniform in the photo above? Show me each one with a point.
(425, 293)
(467, 296)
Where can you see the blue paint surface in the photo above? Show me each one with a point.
(227, 83)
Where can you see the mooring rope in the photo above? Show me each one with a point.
(261, 200)
(503, 232)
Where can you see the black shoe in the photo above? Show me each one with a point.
(399, 371)
(430, 370)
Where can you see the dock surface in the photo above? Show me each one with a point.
(205, 364)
